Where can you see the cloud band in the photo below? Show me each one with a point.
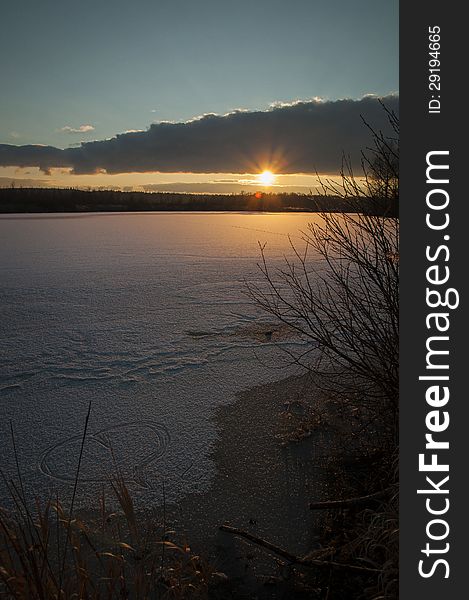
(301, 137)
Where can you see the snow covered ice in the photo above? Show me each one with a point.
(146, 316)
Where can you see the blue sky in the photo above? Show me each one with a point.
(117, 66)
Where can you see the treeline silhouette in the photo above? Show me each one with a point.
(45, 200)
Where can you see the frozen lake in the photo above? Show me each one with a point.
(145, 315)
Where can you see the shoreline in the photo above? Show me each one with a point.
(262, 484)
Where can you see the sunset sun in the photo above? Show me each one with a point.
(266, 178)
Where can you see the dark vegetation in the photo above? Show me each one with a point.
(346, 306)
(52, 200)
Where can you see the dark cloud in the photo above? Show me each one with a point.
(290, 138)
(44, 157)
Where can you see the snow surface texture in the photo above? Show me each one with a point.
(145, 315)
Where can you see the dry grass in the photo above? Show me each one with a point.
(45, 554)
(48, 552)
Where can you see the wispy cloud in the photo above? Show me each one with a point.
(299, 137)
(82, 129)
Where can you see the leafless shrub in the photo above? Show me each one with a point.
(339, 289)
